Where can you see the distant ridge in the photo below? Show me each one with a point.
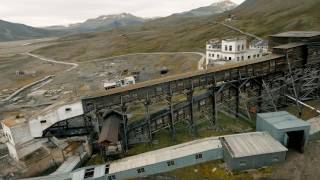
(215, 8)
(104, 22)
(13, 31)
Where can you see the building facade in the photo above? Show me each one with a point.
(286, 128)
(232, 49)
(20, 142)
(261, 45)
(251, 151)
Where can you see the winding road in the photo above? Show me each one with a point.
(74, 65)
(239, 30)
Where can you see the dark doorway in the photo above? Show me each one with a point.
(296, 140)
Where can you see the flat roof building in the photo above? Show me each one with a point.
(251, 150)
(285, 128)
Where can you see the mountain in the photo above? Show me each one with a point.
(13, 31)
(189, 33)
(215, 8)
(105, 22)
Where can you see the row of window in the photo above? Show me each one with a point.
(238, 58)
(239, 48)
(228, 48)
(89, 173)
(215, 47)
(169, 163)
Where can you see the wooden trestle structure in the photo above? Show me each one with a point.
(242, 89)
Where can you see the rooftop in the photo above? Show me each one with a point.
(283, 120)
(302, 34)
(250, 144)
(55, 106)
(182, 76)
(289, 45)
(165, 154)
(13, 122)
(214, 41)
(259, 42)
(235, 38)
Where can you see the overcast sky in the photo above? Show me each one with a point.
(54, 12)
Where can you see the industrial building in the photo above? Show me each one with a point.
(233, 79)
(239, 151)
(20, 142)
(251, 151)
(285, 128)
(162, 160)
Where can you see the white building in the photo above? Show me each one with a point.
(231, 49)
(20, 142)
(53, 114)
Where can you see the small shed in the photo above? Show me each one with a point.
(251, 151)
(285, 128)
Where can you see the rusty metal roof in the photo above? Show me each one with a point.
(13, 122)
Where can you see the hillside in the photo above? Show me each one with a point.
(105, 22)
(176, 33)
(264, 17)
(13, 31)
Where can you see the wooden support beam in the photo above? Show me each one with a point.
(125, 124)
(214, 106)
(172, 126)
(237, 102)
(147, 106)
(191, 101)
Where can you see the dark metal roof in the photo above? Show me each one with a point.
(183, 76)
(110, 130)
(289, 45)
(298, 34)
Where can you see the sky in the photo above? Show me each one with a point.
(41, 13)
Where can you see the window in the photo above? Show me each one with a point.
(242, 47)
(112, 177)
(170, 163)
(243, 163)
(230, 58)
(218, 55)
(68, 109)
(254, 56)
(198, 156)
(238, 58)
(238, 47)
(226, 47)
(212, 55)
(249, 57)
(242, 58)
(230, 48)
(140, 170)
(89, 173)
(106, 171)
(258, 55)
(43, 121)
(225, 58)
